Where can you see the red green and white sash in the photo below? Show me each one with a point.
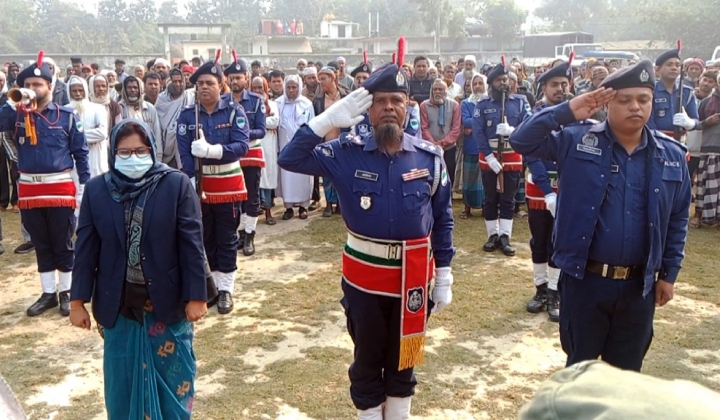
(512, 161)
(223, 183)
(46, 190)
(535, 196)
(402, 269)
(255, 155)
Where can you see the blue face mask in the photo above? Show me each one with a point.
(133, 167)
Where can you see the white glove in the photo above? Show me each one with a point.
(494, 164)
(504, 129)
(442, 293)
(344, 113)
(202, 149)
(681, 119)
(551, 203)
(78, 198)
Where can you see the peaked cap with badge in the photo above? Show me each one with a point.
(213, 68)
(236, 66)
(365, 67)
(36, 69)
(497, 71)
(641, 74)
(558, 71)
(391, 77)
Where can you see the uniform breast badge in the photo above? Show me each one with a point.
(365, 202)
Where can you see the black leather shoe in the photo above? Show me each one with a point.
(249, 245)
(503, 244)
(46, 301)
(289, 213)
(213, 301)
(64, 303)
(553, 305)
(241, 240)
(537, 303)
(328, 211)
(25, 248)
(491, 244)
(225, 303)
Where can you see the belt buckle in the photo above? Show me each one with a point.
(213, 170)
(37, 178)
(393, 251)
(621, 273)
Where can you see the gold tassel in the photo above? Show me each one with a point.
(30, 129)
(412, 351)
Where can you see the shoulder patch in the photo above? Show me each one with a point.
(428, 147)
(347, 139)
(182, 129)
(79, 125)
(326, 150)
(240, 121)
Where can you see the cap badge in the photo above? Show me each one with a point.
(400, 79)
(237, 66)
(213, 70)
(644, 76)
(37, 72)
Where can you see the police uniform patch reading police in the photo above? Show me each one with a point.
(365, 202)
(240, 122)
(415, 299)
(182, 129)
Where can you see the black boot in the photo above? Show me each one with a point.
(241, 240)
(553, 305)
(328, 211)
(46, 301)
(537, 303)
(249, 246)
(503, 244)
(65, 303)
(225, 303)
(491, 244)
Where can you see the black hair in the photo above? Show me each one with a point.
(130, 128)
(277, 73)
(420, 58)
(149, 64)
(95, 66)
(256, 63)
(151, 75)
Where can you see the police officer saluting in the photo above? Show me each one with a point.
(622, 215)
(396, 203)
(50, 141)
(541, 193)
(487, 126)
(253, 162)
(220, 142)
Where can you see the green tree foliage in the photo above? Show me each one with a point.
(504, 18)
(691, 21)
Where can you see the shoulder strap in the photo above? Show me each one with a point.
(232, 115)
(436, 175)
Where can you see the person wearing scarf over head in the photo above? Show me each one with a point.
(472, 187)
(99, 94)
(140, 261)
(269, 174)
(95, 121)
(169, 104)
(219, 143)
(112, 84)
(132, 105)
(294, 111)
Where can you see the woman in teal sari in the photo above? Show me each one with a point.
(139, 258)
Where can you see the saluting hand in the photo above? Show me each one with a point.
(587, 104)
(344, 113)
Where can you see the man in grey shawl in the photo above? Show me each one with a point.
(168, 106)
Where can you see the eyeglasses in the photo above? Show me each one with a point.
(141, 152)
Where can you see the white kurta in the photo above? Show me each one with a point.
(269, 174)
(95, 122)
(294, 188)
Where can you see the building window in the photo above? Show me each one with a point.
(211, 52)
(195, 53)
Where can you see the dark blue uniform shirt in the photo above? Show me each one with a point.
(227, 125)
(254, 108)
(376, 201)
(61, 141)
(487, 117)
(665, 104)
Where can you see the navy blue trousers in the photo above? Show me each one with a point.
(500, 204)
(541, 225)
(373, 322)
(605, 318)
(51, 230)
(251, 206)
(220, 237)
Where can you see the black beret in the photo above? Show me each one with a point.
(239, 66)
(76, 60)
(362, 68)
(637, 75)
(563, 70)
(496, 71)
(36, 69)
(209, 67)
(387, 78)
(662, 58)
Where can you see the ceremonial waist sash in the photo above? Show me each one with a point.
(46, 190)
(533, 193)
(511, 160)
(400, 269)
(255, 155)
(223, 183)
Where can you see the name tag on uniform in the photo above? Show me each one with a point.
(192, 127)
(50, 127)
(490, 111)
(217, 127)
(416, 174)
(660, 100)
(366, 175)
(589, 149)
(614, 169)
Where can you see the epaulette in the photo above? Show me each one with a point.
(664, 137)
(348, 139)
(255, 95)
(67, 109)
(427, 146)
(517, 96)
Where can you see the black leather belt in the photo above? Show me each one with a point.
(614, 272)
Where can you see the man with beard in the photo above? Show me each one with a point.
(169, 104)
(277, 82)
(468, 69)
(153, 83)
(223, 189)
(541, 194)
(621, 218)
(59, 89)
(253, 162)
(301, 66)
(441, 122)
(100, 94)
(311, 88)
(694, 68)
(487, 127)
(132, 105)
(665, 117)
(161, 67)
(94, 120)
(396, 205)
(47, 151)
